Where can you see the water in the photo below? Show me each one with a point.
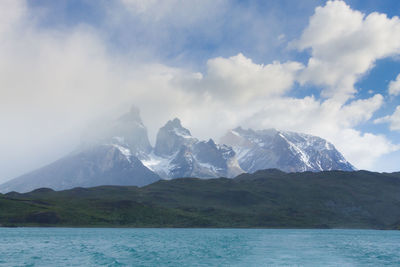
(197, 247)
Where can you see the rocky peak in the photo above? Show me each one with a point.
(129, 131)
(126, 131)
(171, 137)
(132, 116)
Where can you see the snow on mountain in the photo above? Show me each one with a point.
(121, 154)
(95, 166)
(287, 151)
(127, 131)
(178, 154)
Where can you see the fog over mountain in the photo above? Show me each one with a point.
(121, 154)
(322, 68)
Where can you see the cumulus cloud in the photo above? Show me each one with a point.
(238, 79)
(394, 86)
(236, 91)
(328, 119)
(57, 80)
(345, 44)
(393, 120)
(49, 79)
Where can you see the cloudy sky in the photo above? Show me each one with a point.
(328, 68)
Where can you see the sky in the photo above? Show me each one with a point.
(327, 68)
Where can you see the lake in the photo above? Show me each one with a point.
(197, 247)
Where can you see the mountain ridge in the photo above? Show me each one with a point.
(287, 151)
(177, 153)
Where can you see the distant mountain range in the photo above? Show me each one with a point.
(122, 155)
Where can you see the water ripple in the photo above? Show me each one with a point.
(197, 247)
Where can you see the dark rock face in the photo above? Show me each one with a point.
(171, 137)
(181, 155)
(208, 152)
(183, 164)
(287, 151)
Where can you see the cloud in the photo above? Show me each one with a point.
(394, 86)
(173, 11)
(328, 119)
(236, 91)
(238, 79)
(393, 120)
(49, 79)
(10, 14)
(345, 44)
(188, 33)
(56, 80)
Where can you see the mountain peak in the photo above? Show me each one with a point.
(171, 137)
(176, 124)
(174, 127)
(130, 131)
(132, 116)
(238, 129)
(211, 142)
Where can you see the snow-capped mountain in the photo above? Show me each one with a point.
(287, 151)
(121, 154)
(178, 154)
(106, 164)
(128, 132)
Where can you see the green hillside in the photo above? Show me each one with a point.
(270, 199)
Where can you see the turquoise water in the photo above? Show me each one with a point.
(197, 247)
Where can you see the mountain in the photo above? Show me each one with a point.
(127, 131)
(119, 153)
(109, 156)
(287, 151)
(265, 199)
(98, 165)
(178, 154)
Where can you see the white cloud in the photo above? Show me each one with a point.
(394, 86)
(393, 120)
(10, 14)
(54, 81)
(236, 91)
(328, 119)
(345, 44)
(239, 80)
(139, 6)
(175, 12)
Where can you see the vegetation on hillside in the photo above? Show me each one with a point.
(265, 199)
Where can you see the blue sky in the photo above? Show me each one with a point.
(288, 17)
(225, 63)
